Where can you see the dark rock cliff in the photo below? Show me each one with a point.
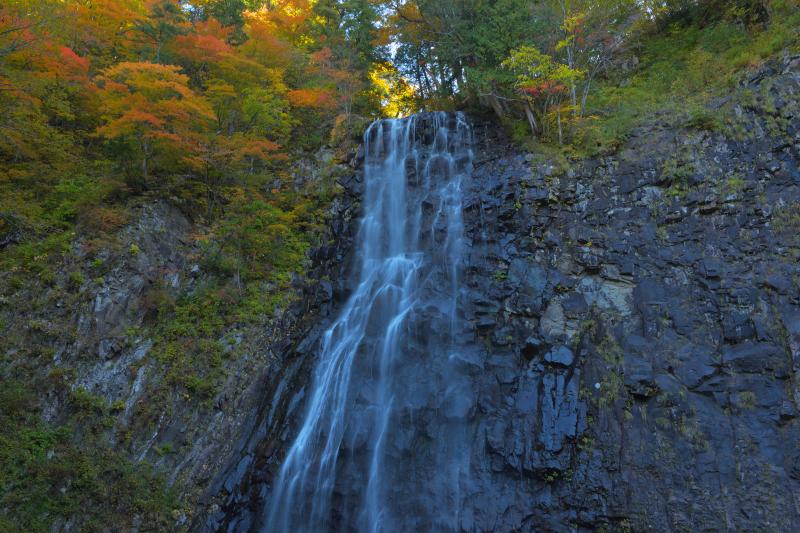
(642, 320)
(636, 320)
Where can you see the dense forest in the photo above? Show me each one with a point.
(213, 107)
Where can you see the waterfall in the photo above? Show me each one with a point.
(382, 446)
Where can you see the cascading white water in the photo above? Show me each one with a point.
(385, 372)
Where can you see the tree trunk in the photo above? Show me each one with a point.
(495, 104)
(558, 120)
(572, 90)
(545, 108)
(145, 158)
(209, 193)
(585, 95)
(531, 119)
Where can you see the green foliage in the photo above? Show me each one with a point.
(267, 113)
(49, 474)
(544, 84)
(44, 218)
(447, 45)
(786, 219)
(192, 112)
(593, 70)
(747, 399)
(533, 68)
(680, 69)
(612, 384)
(252, 255)
(701, 118)
(187, 343)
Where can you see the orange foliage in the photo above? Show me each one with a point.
(260, 149)
(72, 61)
(543, 88)
(264, 45)
(151, 102)
(75, 64)
(322, 57)
(105, 25)
(207, 43)
(313, 98)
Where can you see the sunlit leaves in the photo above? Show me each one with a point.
(543, 82)
(398, 97)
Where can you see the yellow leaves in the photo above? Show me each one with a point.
(563, 43)
(264, 45)
(143, 75)
(538, 73)
(286, 18)
(150, 85)
(153, 105)
(574, 23)
(397, 95)
(279, 33)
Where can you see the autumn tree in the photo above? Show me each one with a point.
(590, 33)
(348, 49)
(166, 20)
(543, 83)
(44, 87)
(105, 30)
(150, 111)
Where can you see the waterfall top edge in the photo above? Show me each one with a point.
(422, 116)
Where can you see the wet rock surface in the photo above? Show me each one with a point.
(646, 377)
(632, 336)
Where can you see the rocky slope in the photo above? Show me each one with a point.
(89, 344)
(636, 326)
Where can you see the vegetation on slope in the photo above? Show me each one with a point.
(582, 73)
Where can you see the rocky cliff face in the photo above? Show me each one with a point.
(641, 322)
(636, 330)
